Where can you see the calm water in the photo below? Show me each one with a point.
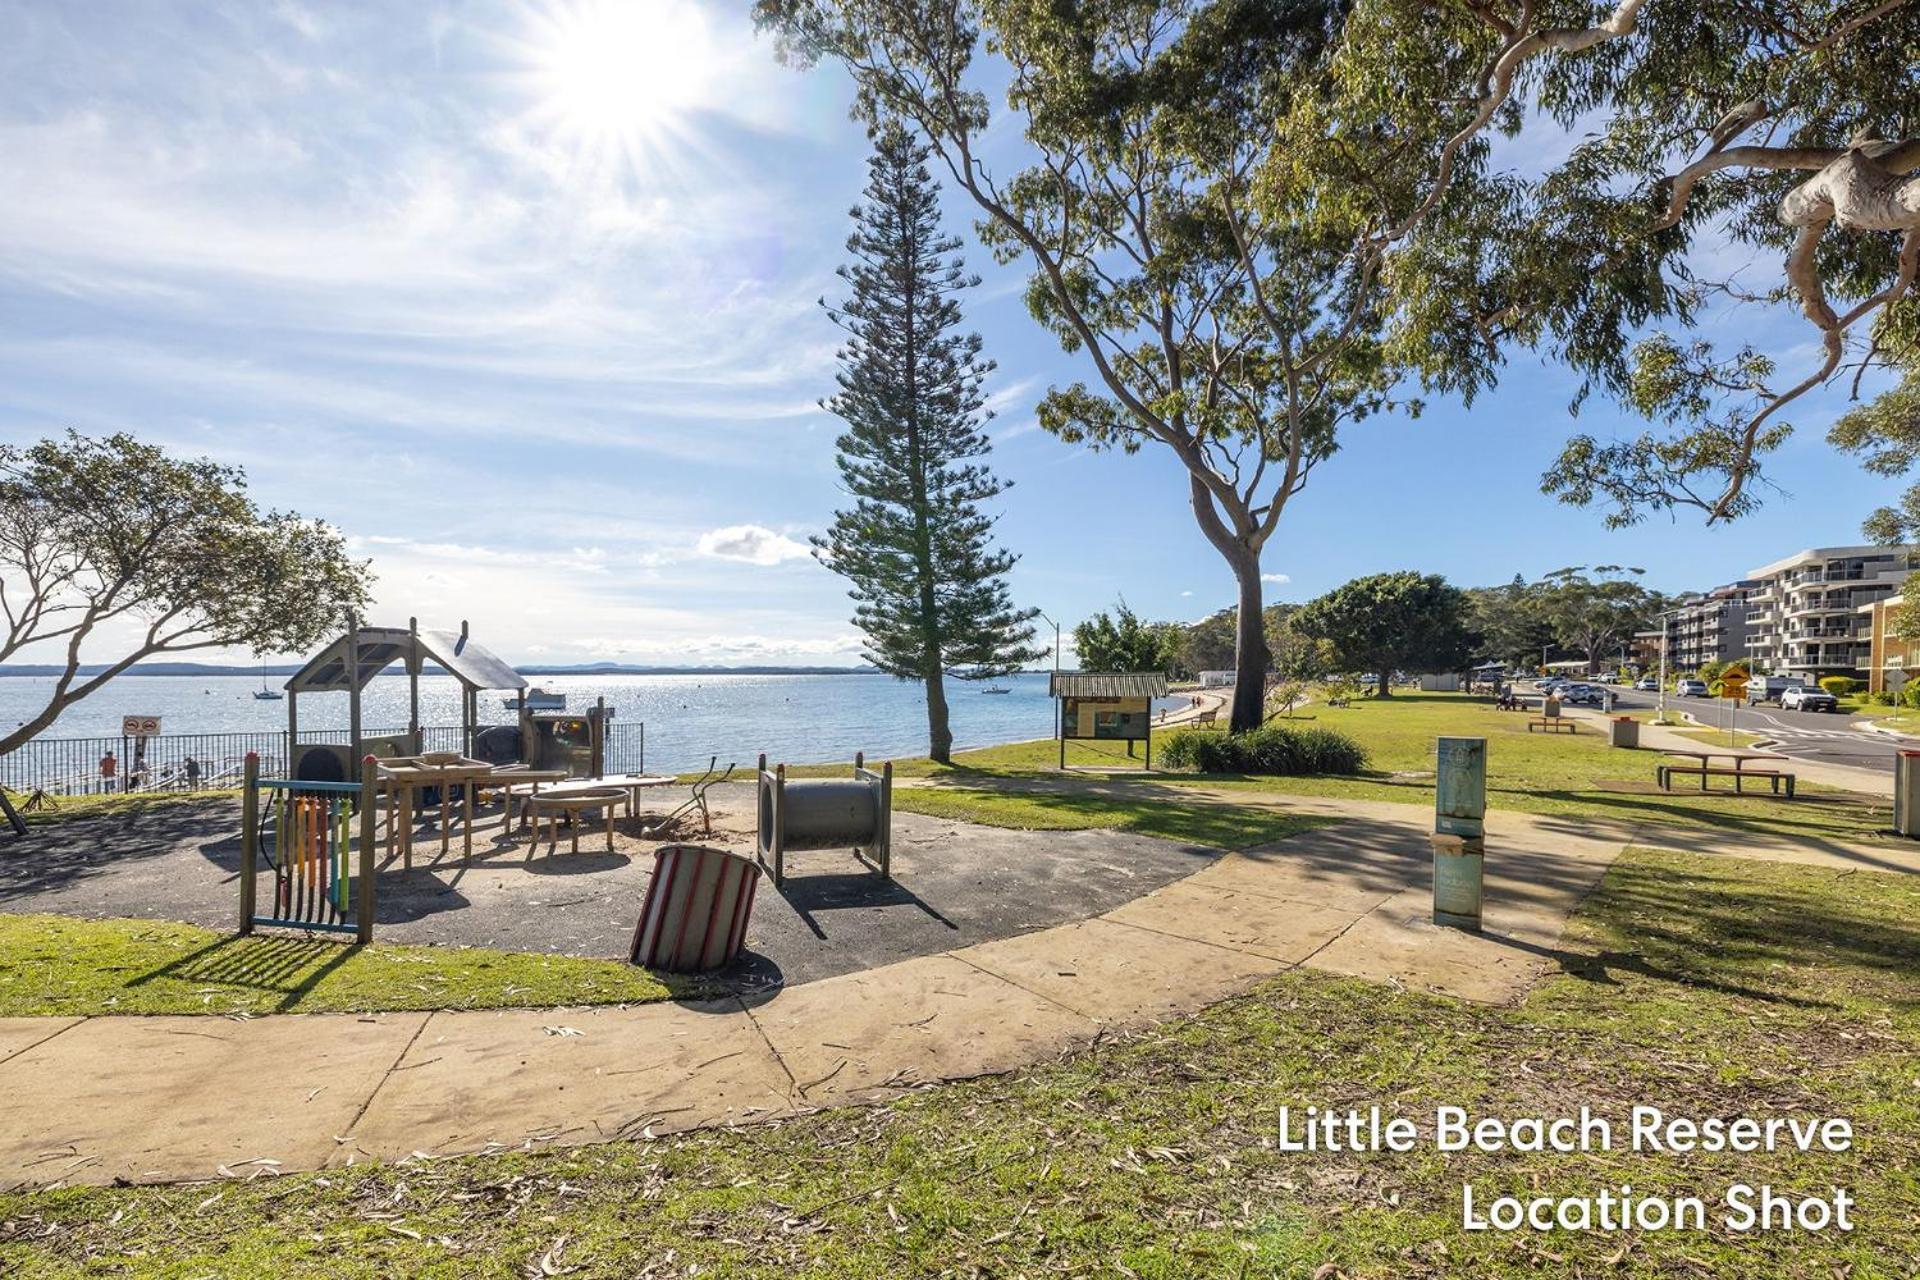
(798, 719)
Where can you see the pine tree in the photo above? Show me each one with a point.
(930, 588)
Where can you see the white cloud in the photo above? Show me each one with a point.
(751, 544)
(1185, 594)
(1278, 579)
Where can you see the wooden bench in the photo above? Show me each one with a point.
(1553, 724)
(1665, 772)
(1210, 716)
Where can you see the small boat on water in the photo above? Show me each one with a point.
(265, 694)
(996, 688)
(538, 699)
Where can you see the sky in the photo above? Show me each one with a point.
(524, 298)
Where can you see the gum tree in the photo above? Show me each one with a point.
(1730, 155)
(112, 547)
(1212, 196)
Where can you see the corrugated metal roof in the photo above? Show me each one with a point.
(1108, 684)
(381, 647)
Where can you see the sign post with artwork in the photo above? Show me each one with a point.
(1107, 707)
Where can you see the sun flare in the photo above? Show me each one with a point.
(621, 75)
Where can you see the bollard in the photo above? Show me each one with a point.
(249, 832)
(1906, 793)
(1459, 831)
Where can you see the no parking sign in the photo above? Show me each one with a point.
(140, 726)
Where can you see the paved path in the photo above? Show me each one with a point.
(166, 1098)
(170, 1098)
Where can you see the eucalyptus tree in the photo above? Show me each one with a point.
(113, 551)
(1787, 133)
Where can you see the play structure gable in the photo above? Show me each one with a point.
(334, 667)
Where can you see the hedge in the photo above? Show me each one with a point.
(1273, 749)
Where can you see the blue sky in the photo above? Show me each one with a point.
(542, 336)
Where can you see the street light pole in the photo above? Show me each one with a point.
(1056, 641)
(1661, 715)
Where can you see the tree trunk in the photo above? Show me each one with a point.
(1384, 688)
(1249, 649)
(939, 733)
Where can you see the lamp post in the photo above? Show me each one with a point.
(1056, 640)
(1660, 715)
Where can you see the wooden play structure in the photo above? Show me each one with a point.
(350, 663)
(826, 813)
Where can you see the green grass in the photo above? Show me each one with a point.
(61, 808)
(61, 965)
(1554, 774)
(1222, 826)
(1710, 987)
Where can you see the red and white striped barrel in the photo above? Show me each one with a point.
(695, 916)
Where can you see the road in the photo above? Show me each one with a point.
(1824, 738)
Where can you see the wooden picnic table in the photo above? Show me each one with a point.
(1738, 770)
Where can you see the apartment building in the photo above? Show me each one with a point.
(1889, 658)
(1807, 614)
(1710, 627)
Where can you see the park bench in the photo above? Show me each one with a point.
(1705, 768)
(1210, 716)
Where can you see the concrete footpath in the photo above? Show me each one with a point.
(92, 1100)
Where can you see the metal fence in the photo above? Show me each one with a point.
(626, 747)
(196, 761)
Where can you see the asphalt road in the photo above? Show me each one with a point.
(1823, 737)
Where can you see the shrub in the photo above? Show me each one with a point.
(1883, 698)
(1910, 693)
(1839, 686)
(1274, 750)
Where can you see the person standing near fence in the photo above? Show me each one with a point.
(137, 775)
(108, 768)
(192, 767)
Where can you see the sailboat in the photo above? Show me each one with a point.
(265, 694)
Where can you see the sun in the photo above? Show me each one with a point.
(620, 76)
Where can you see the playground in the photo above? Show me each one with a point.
(953, 884)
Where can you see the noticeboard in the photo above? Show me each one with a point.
(1111, 719)
(140, 726)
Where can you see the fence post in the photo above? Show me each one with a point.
(369, 790)
(249, 827)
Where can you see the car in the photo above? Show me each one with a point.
(1583, 694)
(1647, 684)
(1805, 699)
(1691, 688)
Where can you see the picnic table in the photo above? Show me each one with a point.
(1738, 769)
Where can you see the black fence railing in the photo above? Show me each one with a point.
(198, 761)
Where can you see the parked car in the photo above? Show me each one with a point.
(1772, 688)
(1647, 684)
(1691, 688)
(1805, 699)
(1591, 695)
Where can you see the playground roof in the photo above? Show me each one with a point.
(1108, 684)
(381, 647)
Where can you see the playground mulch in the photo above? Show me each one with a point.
(954, 883)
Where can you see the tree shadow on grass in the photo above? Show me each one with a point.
(1762, 931)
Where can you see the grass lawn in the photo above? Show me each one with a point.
(1222, 826)
(1708, 987)
(61, 965)
(61, 808)
(1577, 774)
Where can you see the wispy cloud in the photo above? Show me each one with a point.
(751, 544)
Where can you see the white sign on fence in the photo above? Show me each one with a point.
(140, 726)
